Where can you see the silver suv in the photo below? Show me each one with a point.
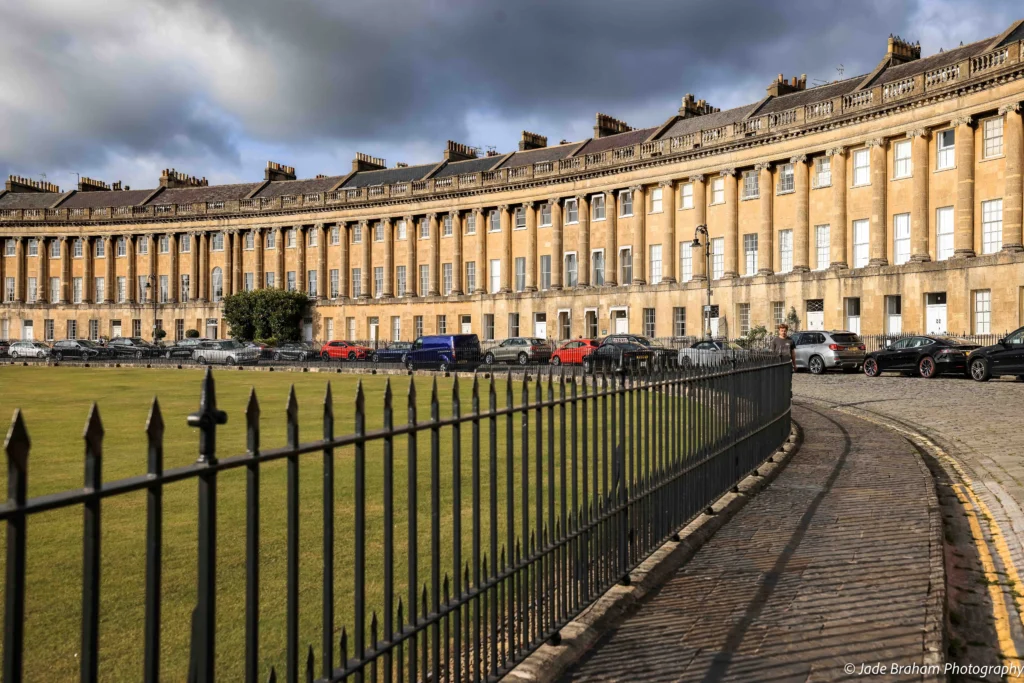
(227, 351)
(819, 351)
(519, 350)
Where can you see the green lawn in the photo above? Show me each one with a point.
(55, 403)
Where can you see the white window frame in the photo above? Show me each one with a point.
(945, 154)
(446, 226)
(545, 215)
(572, 212)
(597, 212)
(945, 220)
(750, 254)
(822, 246)
(655, 255)
(403, 230)
(597, 257)
(901, 238)
(685, 262)
(717, 258)
(625, 203)
(991, 226)
(717, 191)
(494, 275)
(992, 137)
(982, 306)
(861, 243)
(625, 259)
(686, 196)
(861, 167)
(786, 251)
(519, 218)
(570, 276)
(902, 160)
(787, 180)
(751, 185)
(657, 200)
(519, 274)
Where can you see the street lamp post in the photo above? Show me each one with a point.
(703, 230)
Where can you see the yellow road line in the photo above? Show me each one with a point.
(995, 591)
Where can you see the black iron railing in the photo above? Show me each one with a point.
(568, 491)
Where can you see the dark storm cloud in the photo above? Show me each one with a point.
(139, 84)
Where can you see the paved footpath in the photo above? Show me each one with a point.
(830, 565)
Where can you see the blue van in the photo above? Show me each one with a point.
(444, 352)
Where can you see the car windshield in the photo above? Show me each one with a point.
(955, 341)
(537, 341)
(87, 344)
(845, 338)
(643, 341)
(230, 344)
(40, 345)
(732, 346)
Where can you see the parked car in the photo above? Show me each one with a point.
(519, 350)
(573, 352)
(662, 355)
(392, 353)
(5, 348)
(619, 353)
(226, 351)
(443, 352)
(183, 348)
(1006, 357)
(29, 349)
(821, 351)
(343, 350)
(292, 351)
(709, 352)
(78, 348)
(264, 349)
(132, 347)
(927, 356)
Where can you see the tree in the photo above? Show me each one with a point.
(265, 314)
(792, 319)
(160, 333)
(192, 334)
(755, 338)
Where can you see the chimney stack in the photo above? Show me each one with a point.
(606, 125)
(172, 179)
(91, 185)
(532, 141)
(690, 108)
(364, 162)
(781, 87)
(900, 51)
(19, 184)
(276, 171)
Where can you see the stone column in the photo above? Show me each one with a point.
(583, 241)
(766, 193)
(109, 281)
(505, 222)
(131, 279)
(322, 241)
(343, 267)
(732, 226)
(802, 229)
(837, 229)
(193, 266)
(411, 267)
(388, 289)
(531, 246)
(201, 254)
(700, 213)
(65, 270)
(1013, 139)
(279, 269)
(229, 263)
(611, 240)
(259, 275)
(43, 276)
(639, 234)
(456, 218)
(154, 265)
(435, 257)
(963, 235)
(300, 267)
(481, 252)
(879, 189)
(88, 270)
(19, 270)
(919, 211)
(557, 248)
(239, 282)
(173, 278)
(366, 262)
(669, 252)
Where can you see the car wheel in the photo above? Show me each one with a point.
(14, 354)
(523, 359)
(926, 368)
(443, 367)
(231, 360)
(351, 355)
(325, 356)
(816, 365)
(40, 355)
(201, 360)
(588, 367)
(489, 359)
(409, 366)
(979, 370)
(58, 356)
(277, 355)
(555, 360)
(685, 362)
(871, 367)
(375, 358)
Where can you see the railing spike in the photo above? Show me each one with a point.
(328, 403)
(17, 443)
(155, 423)
(273, 675)
(206, 420)
(252, 408)
(292, 409)
(309, 665)
(412, 390)
(343, 647)
(387, 393)
(447, 599)
(93, 433)
(292, 416)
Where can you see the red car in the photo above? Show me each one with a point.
(573, 352)
(343, 350)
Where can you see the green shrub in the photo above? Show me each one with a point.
(266, 313)
(192, 334)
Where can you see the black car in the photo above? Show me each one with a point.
(1003, 358)
(81, 349)
(293, 351)
(132, 347)
(619, 353)
(926, 356)
(183, 348)
(392, 353)
(5, 348)
(663, 356)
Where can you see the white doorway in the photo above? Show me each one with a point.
(27, 333)
(935, 310)
(815, 314)
(620, 321)
(540, 325)
(115, 328)
(466, 324)
(894, 315)
(307, 329)
(374, 325)
(211, 328)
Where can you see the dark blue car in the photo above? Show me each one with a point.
(444, 352)
(392, 353)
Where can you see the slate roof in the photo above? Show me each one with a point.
(30, 200)
(213, 193)
(535, 156)
(100, 199)
(467, 166)
(818, 93)
(719, 118)
(619, 140)
(280, 188)
(388, 176)
(936, 61)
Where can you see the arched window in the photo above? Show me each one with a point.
(218, 284)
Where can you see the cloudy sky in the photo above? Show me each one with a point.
(119, 89)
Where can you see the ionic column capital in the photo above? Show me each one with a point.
(431, 216)
(798, 159)
(699, 178)
(636, 188)
(1007, 108)
(963, 121)
(763, 166)
(727, 172)
(876, 142)
(363, 222)
(409, 219)
(454, 213)
(386, 220)
(836, 152)
(917, 133)
(667, 183)
(555, 201)
(503, 207)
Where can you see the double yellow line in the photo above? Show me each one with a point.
(974, 506)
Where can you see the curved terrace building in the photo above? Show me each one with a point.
(890, 201)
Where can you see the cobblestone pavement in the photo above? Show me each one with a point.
(816, 572)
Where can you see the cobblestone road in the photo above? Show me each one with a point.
(814, 573)
(979, 423)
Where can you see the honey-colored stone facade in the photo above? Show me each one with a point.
(911, 212)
